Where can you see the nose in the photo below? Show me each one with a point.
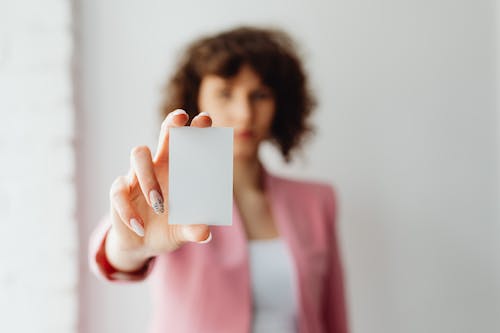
(244, 109)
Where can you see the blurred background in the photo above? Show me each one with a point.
(408, 133)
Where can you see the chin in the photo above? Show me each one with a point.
(244, 154)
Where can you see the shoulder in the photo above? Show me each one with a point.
(312, 191)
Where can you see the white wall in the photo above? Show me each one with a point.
(39, 241)
(407, 133)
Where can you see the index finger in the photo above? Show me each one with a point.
(176, 118)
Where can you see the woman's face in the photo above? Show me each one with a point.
(242, 102)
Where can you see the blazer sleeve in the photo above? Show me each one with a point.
(335, 306)
(99, 264)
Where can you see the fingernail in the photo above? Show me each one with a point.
(203, 114)
(209, 238)
(137, 227)
(176, 112)
(156, 201)
(166, 122)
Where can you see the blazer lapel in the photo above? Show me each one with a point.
(294, 231)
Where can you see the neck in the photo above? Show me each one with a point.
(247, 175)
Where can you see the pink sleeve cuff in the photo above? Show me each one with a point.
(99, 264)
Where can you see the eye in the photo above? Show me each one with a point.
(261, 95)
(224, 93)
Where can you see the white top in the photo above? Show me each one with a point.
(274, 286)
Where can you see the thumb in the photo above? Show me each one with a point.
(199, 233)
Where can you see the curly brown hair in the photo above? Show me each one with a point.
(271, 53)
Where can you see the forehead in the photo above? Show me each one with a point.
(246, 76)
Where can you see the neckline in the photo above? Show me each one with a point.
(266, 240)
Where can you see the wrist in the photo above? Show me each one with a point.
(124, 258)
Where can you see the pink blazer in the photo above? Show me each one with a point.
(206, 288)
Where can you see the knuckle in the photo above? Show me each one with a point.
(139, 151)
(149, 183)
(117, 188)
(177, 236)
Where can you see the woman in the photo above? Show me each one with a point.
(278, 267)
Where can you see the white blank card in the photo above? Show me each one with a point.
(200, 180)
